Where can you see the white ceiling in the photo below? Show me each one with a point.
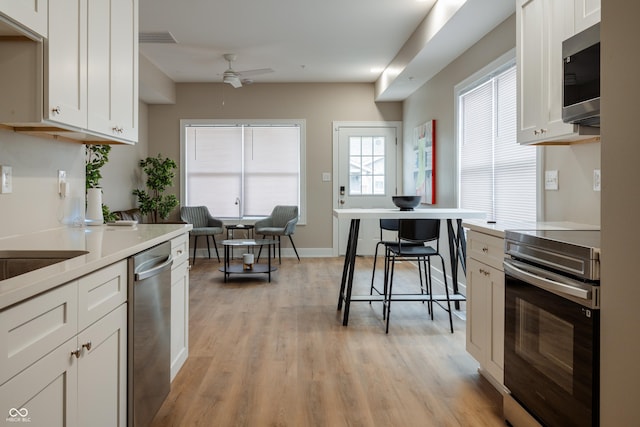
(317, 41)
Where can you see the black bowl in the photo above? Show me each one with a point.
(406, 203)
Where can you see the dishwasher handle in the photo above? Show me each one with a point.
(156, 269)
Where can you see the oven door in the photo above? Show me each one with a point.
(551, 357)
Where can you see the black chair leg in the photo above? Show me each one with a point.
(208, 248)
(215, 246)
(294, 247)
(195, 246)
(279, 251)
(446, 289)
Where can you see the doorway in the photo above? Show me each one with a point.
(366, 175)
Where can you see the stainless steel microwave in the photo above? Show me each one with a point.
(581, 78)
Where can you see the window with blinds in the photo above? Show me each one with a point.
(496, 174)
(241, 170)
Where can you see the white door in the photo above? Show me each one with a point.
(365, 165)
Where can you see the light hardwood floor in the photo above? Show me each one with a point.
(276, 354)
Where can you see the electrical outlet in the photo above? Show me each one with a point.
(596, 180)
(551, 180)
(6, 180)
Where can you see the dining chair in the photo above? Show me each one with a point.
(203, 225)
(281, 222)
(416, 238)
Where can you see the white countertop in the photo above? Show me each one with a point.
(497, 229)
(418, 213)
(106, 245)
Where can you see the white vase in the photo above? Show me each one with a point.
(94, 207)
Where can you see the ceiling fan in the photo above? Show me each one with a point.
(237, 78)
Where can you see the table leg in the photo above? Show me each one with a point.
(269, 267)
(457, 252)
(226, 261)
(348, 269)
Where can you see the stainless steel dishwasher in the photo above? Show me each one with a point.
(149, 333)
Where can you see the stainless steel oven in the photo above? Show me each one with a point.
(552, 327)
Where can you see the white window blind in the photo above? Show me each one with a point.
(497, 175)
(242, 170)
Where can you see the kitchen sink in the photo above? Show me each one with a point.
(15, 263)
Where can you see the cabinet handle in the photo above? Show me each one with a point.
(87, 345)
(485, 249)
(117, 129)
(543, 131)
(76, 353)
(55, 110)
(179, 252)
(485, 272)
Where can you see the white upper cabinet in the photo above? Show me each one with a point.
(541, 27)
(31, 15)
(65, 88)
(587, 13)
(81, 82)
(113, 68)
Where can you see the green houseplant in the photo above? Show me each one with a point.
(160, 174)
(96, 156)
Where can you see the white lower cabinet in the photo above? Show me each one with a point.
(485, 303)
(179, 303)
(56, 373)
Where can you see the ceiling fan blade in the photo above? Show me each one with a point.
(248, 73)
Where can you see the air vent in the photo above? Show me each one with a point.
(157, 37)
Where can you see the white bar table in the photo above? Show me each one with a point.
(457, 244)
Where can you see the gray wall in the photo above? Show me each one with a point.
(319, 104)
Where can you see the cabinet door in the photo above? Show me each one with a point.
(530, 27)
(485, 317)
(478, 313)
(45, 395)
(30, 14)
(102, 372)
(495, 350)
(587, 13)
(179, 317)
(65, 86)
(542, 25)
(113, 68)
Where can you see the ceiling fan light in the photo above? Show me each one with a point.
(233, 81)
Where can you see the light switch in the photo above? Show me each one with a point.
(596, 180)
(6, 179)
(326, 176)
(550, 180)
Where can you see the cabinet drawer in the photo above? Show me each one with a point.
(33, 328)
(485, 248)
(101, 292)
(180, 249)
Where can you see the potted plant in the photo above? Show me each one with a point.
(96, 156)
(160, 175)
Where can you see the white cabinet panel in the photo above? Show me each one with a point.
(179, 303)
(32, 15)
(66, 63)
(33, 328)
(587, 13)
(113, 68)
(485, 303)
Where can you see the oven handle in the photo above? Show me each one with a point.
(544, 283)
